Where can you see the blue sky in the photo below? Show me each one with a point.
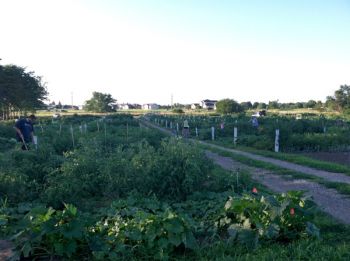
(144, 51)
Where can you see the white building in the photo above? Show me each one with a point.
(209, 104)
(195, 106)
(125, 106)
(150, 106)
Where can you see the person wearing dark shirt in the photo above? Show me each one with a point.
(25, 130)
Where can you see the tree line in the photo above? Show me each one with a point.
(20, 91)
(340, 102)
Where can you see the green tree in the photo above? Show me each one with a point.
(255, 105)
(20, 91)
(247, 105)
(262, 105)
(310, 104)
(274, 104)
(341, 99)
(228, 106)
(100, 102)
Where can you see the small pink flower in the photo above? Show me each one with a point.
(292, 211)
(254, 190)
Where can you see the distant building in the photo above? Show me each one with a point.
(150, 106)
(114, 106)
(209, 104)
(195, 106)
(70, 107)
(129, 106)
(125, 106)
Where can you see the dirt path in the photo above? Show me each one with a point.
(329, 200)
(329, 176)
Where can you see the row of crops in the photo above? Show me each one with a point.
(296, 135)
(111, 189)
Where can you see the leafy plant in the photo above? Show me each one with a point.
(252, 217)
(48, 233)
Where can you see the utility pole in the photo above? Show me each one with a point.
(72, 99)
(172, 101)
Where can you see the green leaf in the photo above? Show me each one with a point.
(163, 242)
(272, 231)
(70, 248)
(190, 241)
(174, 239)
(73, 230)
(59, 248)
(26, 249)
(70, 209)
(135, 235)
(174, 226)
(3, 220)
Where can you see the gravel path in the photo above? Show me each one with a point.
(329, 176)
(329, 200)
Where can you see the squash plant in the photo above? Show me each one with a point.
(252, 217)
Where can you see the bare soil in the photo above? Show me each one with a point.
(328, 200)
(335, 157)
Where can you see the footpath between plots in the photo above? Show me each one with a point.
(326, 175)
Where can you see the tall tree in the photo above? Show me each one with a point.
(226, 106)
(100, 102)
(20, 91)
(341, 99)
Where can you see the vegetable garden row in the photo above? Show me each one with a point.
(295, 135)
(111, 189)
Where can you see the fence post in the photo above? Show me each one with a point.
(277, 144)
(196, 132)
(72, 133)
(212, 133)
(35, 141)
(235, 132)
